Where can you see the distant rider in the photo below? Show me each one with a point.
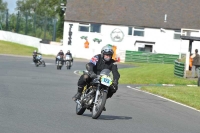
(35, 54)
(69, 53)
(61, 54)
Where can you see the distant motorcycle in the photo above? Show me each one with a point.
(38, 60)
(68, 61)
(59, 62)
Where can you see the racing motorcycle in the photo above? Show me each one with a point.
(38, 60)
(68, 61)
(94, 95)
(59, 62)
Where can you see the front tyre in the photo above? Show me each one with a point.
(98, 108)
(67, 65)
(79, 109)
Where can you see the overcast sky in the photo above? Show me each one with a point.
(11, 5)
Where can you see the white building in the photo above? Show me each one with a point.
(148, 25)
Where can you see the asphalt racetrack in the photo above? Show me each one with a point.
(38, 100)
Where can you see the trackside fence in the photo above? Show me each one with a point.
(179, 68)
(144, 57)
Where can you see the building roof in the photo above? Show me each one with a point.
(143, 13)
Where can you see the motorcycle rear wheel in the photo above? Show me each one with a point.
(98, 108)
(36, 64)
(44, 65)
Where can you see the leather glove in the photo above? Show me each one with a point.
(92, 75)
(115, 84)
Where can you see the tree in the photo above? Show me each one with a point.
(60, 23)
(46, 8)
(43, 13)
(3, 5)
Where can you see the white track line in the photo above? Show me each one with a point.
(76, 72)
(164, 98)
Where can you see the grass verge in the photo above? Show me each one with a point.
(154, 73)
(187, 95)
(18, 49)
(15, 49)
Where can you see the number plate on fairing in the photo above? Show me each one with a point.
(105, 80)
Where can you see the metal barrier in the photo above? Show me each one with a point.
(179, 68)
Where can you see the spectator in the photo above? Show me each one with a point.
(190, 62)
(195, 64)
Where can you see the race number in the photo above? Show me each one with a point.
(106, 81)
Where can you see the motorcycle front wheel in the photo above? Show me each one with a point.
(98, 107)
(36, 64)
(67, 64)
(79, 109)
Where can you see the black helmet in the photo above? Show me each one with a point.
(106, 50)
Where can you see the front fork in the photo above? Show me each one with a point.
(97, 94)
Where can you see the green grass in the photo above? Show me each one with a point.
(152, 73)
(18, 49)
(187, 95)
(15, 49)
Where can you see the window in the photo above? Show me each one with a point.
(177, 34)
(84, 27)
(130, 30)
(90, 28)
(95, 28)
(136, 31)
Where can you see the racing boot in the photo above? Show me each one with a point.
(78, 94)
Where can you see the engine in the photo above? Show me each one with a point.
(89, 97)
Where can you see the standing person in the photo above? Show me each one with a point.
(190, 62)
(195, 63)
(95, 66)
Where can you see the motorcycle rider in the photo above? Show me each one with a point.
(61, 54)
(95, 66)
(69, 53)
(35, 53)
